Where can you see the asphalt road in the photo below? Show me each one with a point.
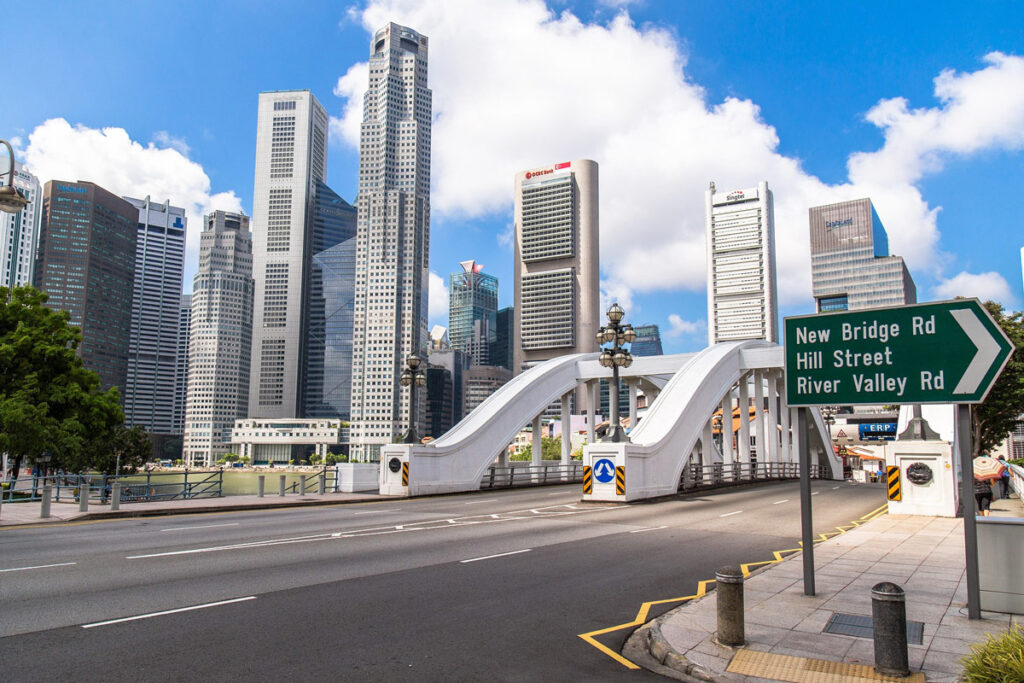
(494, 585)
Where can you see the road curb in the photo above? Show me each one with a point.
(648, 648)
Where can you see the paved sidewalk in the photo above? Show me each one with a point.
(18, 514)
(924, 555)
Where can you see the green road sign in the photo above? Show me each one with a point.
(947, 352)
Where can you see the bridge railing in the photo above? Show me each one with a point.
(135, 488)
(728, 474)
(529, 475)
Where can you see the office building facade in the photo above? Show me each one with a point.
(291, 158)
(480, 381)
(330, 308)
(220, 337)
(393, 238)
(502, 348)
(647, 342)
(851, 268)
(86, 264)
(19, 232)
(472, 304)
(181, 365)
(156, 304)
(556, 262)
(742, 289)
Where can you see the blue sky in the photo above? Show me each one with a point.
(160, 98)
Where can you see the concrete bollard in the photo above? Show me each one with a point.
(44, 506)
(889, 618)
(323, 485)
(260, 483)
(115, 496)
(83, 494)
(729, 590)
(282, 485)
(302, 484)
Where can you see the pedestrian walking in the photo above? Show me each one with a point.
(983, 495)
(1004, 479)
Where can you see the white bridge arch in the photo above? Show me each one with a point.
(687, 390)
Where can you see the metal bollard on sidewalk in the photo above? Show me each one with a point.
(260, 483)
(282, 485)
(302, 484)
(729, 592)
(83, 494)
(44, 505)
(115, 496)
(889, 619)
(323, 485)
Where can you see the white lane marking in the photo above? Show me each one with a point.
(557, 493)
(816, 493)
(204, 526)
(168, 611)
(780, 502)
(730, 514)
(372, 512)
(653, 528)
(491, 557)
(38, 566)
(834, 488)
(475, 502)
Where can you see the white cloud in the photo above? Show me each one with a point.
(110, 158)
(438, 299)
(677, 327)
(555, 88)
(164, 139)
(985, 286)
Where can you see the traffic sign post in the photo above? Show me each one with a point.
(945, 352)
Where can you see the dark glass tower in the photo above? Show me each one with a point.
(502, 346)
(647, 342)
(327, 356)
(86, 263)
(473, 300)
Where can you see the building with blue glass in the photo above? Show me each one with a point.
(473, 302)
(647, 342)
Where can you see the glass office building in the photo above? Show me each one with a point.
(851, 268)
(472, 303)
(647, 342)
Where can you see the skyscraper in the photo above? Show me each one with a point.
(473, 301)
(19, 232)
(181, 365)
(393, 237)
(291, 158)
(851, 268)
(330, 304)
(220, 337)
(556, 262)
(156, 304)
(502, 348)
(742, 290)
(647, 342)
(86, 263)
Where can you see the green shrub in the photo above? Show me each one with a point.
(998, 660)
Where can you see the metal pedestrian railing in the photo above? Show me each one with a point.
(151, 486)
(530, 475)
(728, 474)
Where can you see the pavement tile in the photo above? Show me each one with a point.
(948, 662)
(829, 646)
(771, 615)
(951, 645)
(680, 638)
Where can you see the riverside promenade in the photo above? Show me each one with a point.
(785, 629)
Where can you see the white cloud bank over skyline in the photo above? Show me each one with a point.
(501, 111)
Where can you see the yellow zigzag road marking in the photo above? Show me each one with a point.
(702, 589)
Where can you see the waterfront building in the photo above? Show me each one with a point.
(555, 262)
(277, 442)
(19, 232)
(742, 288)
(851, 268)
(181, 365)
(330, 308)
(647, 342)
(393, 238)
(473, 302)
(86, 264)
(291, 158)
(156, 305)
(220, 337)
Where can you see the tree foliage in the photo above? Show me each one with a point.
(550, 449)
(49, 402)
(995, 418)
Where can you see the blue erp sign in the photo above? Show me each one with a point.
(604, 470)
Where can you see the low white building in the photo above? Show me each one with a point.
(280, 440)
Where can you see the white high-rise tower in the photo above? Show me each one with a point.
(19, 232)
(393, 237)
(291, 156)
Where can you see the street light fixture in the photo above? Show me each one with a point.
(618, 333)
(412, 377)
(11, 199)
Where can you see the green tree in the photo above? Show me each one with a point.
(550, 449)
(231, 457)
(995, 418)
(49, 402)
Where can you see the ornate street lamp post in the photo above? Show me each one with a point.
(618, 333)
(412, 377)
(11, 200)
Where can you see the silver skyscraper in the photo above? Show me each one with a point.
(393, 237)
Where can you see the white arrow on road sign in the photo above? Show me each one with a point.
(988, 349)
(604, 469)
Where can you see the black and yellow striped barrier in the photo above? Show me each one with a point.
(588, 479)
(620, 480)
(405, 473)
(892, 477)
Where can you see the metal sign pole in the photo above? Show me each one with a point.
(963, 443)
(805, 501)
